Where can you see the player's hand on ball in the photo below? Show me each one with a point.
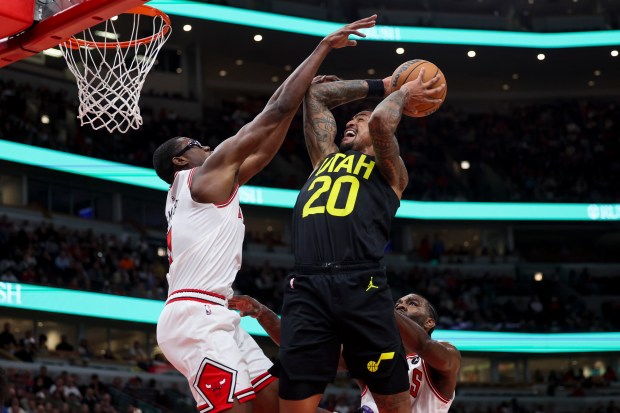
(426, 86)
(245, 304)
(419, 91)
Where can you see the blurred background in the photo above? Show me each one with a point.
(530, 131)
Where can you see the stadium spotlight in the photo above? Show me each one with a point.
(471, 53)
(400, 50)
(538, 276)
(465, 165)
(187, 27)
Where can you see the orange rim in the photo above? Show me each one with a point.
(75, 43)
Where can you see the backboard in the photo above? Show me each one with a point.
(28, 27)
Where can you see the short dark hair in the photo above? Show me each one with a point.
(162, 159)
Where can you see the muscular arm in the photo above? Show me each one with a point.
(291, 98)
(384, 121)
(382, 126)
(240, 157)
(319, 123)
(441, 356)
(270, 322)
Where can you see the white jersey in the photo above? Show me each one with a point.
(424, 396)
(204, 240)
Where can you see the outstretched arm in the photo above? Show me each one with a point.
(240, 157)
(249, 306)
(327, 92)
(441, 356)
(383, 123)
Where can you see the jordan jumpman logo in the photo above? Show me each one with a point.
(371, 285)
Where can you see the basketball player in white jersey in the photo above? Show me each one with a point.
(196, 331)
(433, 365)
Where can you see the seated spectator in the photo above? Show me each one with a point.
(64, 345)
(7, 339)
(15, 407)
(26, 349)
(137, 354)
(610, 375)
(71, 388)
(84, 349)
(42, 382)
(42, 347)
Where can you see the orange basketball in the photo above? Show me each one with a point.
(408, 72)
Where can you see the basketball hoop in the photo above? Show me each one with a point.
(110, 73)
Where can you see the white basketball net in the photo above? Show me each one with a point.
(110, 79)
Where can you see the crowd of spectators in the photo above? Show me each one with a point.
(469, 301)
(82, 259)
(70, 393)
(26, 348)
(545, 152)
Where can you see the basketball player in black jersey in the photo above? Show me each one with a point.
(338, 294)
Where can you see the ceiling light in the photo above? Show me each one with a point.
(274, 79)
(187, 27)
(590, 83)
(465, 165)
(223, 73)
(400, 50)
(614, 53)
(471, 53)
(505, 86)
(45, 119)
(179, 70)
(288, 68)
(258, 38)
(371, 71)
(239, 62)
(538, 276)
(515, 76)
(541, 56)
(115, 18)
(597, 72)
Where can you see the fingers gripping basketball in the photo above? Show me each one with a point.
(409, 72)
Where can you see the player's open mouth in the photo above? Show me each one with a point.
(350, 133)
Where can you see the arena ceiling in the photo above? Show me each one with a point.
(495, 72)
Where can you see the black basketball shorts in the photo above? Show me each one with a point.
(326, 310)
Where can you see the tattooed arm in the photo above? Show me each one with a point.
(383, 123)
(327, 92)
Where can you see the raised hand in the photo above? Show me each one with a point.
(340, 38)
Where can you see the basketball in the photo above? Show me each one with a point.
(408, 72)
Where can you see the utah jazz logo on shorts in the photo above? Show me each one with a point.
(373, 366)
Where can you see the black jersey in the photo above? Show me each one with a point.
(344, 211)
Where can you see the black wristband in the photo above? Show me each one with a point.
(375, 88)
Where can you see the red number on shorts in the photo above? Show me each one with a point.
(416, 378)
